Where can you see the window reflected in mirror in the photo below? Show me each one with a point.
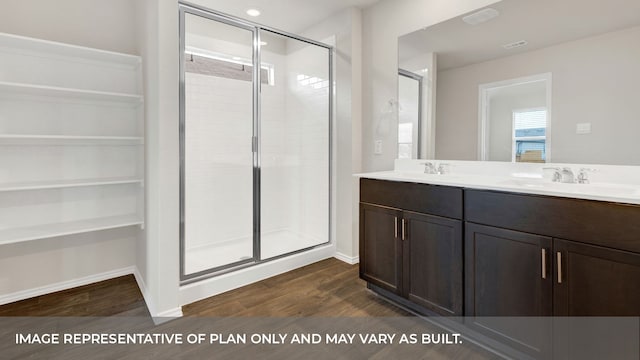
(529, 135)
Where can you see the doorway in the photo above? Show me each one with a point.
(514, 120)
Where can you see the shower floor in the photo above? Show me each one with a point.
(274, 244)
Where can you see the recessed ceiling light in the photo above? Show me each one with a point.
(481, 16)
(253, 12)
(264, 43)
(515, 44)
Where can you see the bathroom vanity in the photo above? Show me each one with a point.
(506, 244)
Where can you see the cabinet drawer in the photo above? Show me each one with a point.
(429, 199)
(595, 222)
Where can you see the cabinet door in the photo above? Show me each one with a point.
(432, 253)
(508, 283)
(595, 281)
(381, 247)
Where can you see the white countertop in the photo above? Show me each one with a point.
(526, 179)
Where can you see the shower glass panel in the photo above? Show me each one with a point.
(217, 151)
(294, 145)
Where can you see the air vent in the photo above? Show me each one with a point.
(481, 16)
(515, 44)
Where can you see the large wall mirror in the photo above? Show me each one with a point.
(529, 81)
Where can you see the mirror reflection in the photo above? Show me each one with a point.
(528, 81)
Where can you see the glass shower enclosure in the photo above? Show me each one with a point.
(255, 141)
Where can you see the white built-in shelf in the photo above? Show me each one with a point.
(74, 92)
(20, 139)
(16, 43)
(67, 93)
(15, 235)
(44, 185)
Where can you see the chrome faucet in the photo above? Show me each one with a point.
(429, 168)
(564, 175)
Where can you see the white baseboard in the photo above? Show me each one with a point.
(143, 289)
(158, 317)
(168, 315)
(65, 285)
(351, 260)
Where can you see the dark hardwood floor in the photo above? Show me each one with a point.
(327, 288)
(326, 296)
(115, 297)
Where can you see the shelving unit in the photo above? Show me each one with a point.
(11, 139)
(46, 231)
(67, 93)
(71, 130)
(63, 184)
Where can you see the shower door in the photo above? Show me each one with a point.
(255, 125)
(218, 155)
(295, 142)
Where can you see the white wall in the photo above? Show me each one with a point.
(108, 25)
(595, 80)
(159, 262)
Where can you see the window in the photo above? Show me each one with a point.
(405, 141)
(210, 63)
(529, 135)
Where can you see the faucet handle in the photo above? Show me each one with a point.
(557, 176)
(583, 177)
(429, 168)
(444, 168)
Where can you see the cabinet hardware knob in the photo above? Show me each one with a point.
(544, 263)
(559, 256)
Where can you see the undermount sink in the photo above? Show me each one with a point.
(595, 188)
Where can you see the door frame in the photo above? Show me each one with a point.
(484, 110)
(419, 79)
(256, 29)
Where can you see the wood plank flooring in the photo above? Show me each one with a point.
(327, 288)
(325, 295)
(115, 297)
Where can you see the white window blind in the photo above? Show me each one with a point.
(530, 119)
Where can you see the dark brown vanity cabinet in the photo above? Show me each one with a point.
(597, 273)
(408, 248)
(595, 281)
(517, 264)
(507, 273)
(381, 253)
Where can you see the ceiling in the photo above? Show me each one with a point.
(541, 23)
(289, 15)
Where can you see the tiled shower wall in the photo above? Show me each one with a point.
(295, 143)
